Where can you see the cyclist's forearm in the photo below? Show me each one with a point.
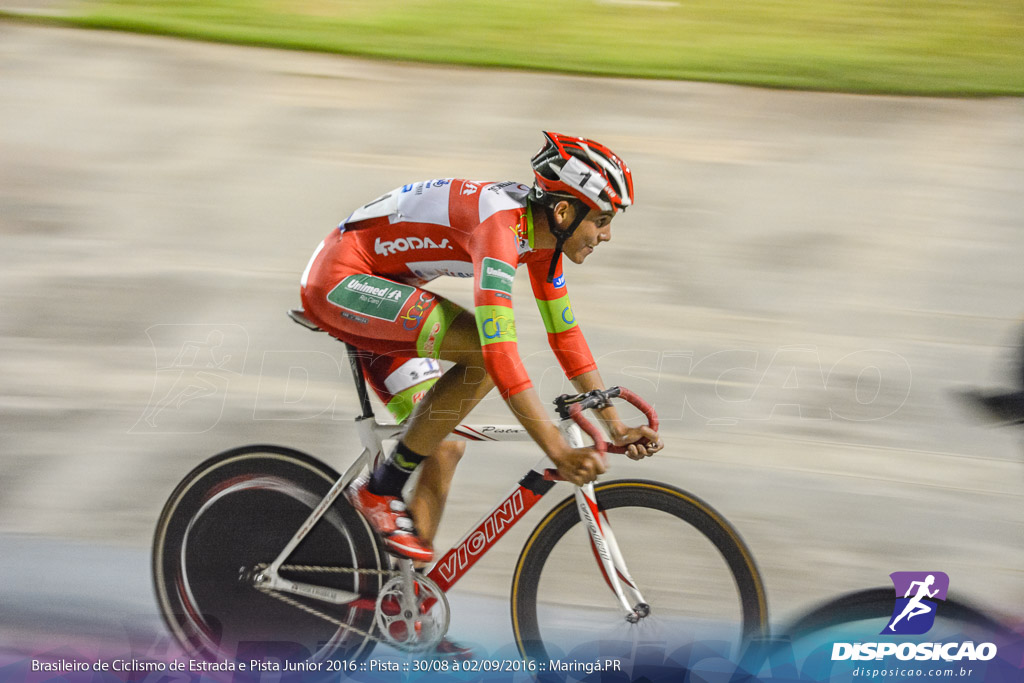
(527, 408)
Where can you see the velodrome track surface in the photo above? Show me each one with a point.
(804, 279)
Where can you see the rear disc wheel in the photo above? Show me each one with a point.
(232, 515)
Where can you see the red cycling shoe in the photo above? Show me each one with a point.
(390, 519)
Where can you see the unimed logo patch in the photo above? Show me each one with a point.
(371, 296)
(917, 598)
(497, 275)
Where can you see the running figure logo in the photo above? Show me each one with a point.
(914, 613)
(195, 365)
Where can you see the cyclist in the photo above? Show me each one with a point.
(363, 286)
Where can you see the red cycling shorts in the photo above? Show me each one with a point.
(400, 326)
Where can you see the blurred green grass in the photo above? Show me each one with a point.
(926, 47)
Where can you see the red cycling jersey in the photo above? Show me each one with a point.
(362, 284)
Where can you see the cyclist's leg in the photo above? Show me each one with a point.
(434, 417)
(461, 388)
(400, 383)
(437, 413)
(426, 504)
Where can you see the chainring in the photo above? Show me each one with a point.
(412, 625)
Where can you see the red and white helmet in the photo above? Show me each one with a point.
(584, 169)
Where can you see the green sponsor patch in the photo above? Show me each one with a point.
(557, 314)
(372, 296)
(496, 324)
(496, 275)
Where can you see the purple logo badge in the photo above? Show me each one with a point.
(917, 596)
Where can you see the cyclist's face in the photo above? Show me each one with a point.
(595, 229)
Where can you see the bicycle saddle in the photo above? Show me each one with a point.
(299, 316)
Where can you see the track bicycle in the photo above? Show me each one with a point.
(257, 553)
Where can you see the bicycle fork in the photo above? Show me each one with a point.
(606, 550)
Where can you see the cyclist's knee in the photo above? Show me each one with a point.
(451, 452)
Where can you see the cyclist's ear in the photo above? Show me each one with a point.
(565, 213)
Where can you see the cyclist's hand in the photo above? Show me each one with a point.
(641, 441)
(579, 465)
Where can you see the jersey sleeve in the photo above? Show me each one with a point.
(493, 249)
(564, 335)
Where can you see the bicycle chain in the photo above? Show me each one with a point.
(336, 570)
(317, 613)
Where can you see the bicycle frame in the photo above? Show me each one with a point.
(489, 529)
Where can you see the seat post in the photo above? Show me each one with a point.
(357, 374)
